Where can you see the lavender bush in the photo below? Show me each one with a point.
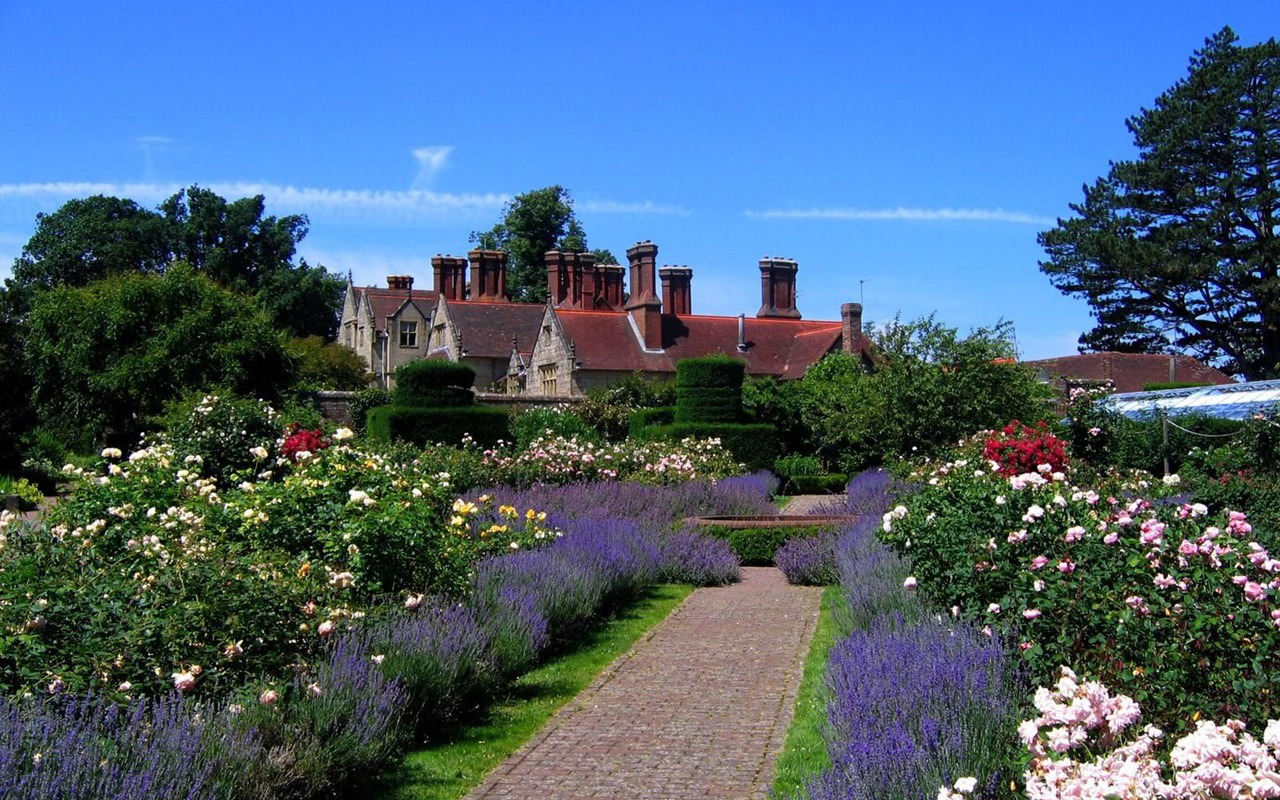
(695, 558)
(808, 560)
(915, 706)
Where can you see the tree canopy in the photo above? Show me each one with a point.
(533, 223)
(234, 243)
(1177, 249)
(106, 356)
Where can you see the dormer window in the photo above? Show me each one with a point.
(408, 334)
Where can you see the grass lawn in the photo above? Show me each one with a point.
(450, 767)
(805, 753)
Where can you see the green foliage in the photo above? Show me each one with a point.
(450, 425)
(833, 483)
(533, 223)
(434, 383)
(321, 365)
(108, 355)
(535, 423)
(1140, 594)
(28, 494)
(711, 371)
(646, 418)
(757, 546)
(43, 455)
(609, 409)
(930, 388)
(795, 465)
(756, 446)
(244, 580)
(1161, 386)
(234, 243)
(16, 412)
(1176, 250)
(362, 402)
(778, 403)
(708, 404)
(228, 438)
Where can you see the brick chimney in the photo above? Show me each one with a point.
(676, 293)
(778, 288)
(450, 276)
(559, 277)
(613, 278)
(488, 276)
(644, 306)
(851, 327)
(402, 282)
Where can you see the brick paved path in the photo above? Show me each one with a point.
(803, 504)
(698, 708)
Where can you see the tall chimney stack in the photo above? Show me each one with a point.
(676, 291)
(488, 276)
(402, 282)
(644, 306)
(450, 276)
(851, 327)
(613, 278)
(778, 288)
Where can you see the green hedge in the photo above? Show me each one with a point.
(818, 484)
(647, 418)
(718, 371)
(427, 374)
(443, 425)
(441, 397)
(754, 445)
(708, 404)
(756, 547)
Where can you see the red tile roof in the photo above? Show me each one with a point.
(1129, 372)
(488, 328)
(784, 348)
(385, 302)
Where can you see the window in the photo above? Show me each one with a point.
(408, 334)
(361, 340)
(547, 378)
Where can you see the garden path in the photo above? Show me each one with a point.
(698, 708)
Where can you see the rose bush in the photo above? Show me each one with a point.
(1170, 603)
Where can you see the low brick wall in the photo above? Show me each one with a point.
(335, 406)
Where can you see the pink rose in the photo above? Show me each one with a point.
(1031, 613)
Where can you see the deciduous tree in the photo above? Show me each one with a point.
(1177, 250)
(533, 223)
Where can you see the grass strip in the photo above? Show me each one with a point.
(452, 766)
(805, 753)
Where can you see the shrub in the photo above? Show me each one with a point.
(609, 409)
(362, 402)
(434, 383)
(43, 455)
(322, 365)
(646, 418)
(719, 371)
(449, 425)
(808, 560)
(793, 465)
(222, 433)
(1019, 449)
(538, 423)
(709, 390)
(819, 484)
(758, 545)
(756, 446)
(692, 557)
(28, 494)
(1161, 600)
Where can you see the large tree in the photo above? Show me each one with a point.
(1176, 250)
(106, 356)
(234, 243)
(533, 223)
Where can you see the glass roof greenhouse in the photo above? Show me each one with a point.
(1227, 401)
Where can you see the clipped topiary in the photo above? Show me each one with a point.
(709, 389)
(433, 402)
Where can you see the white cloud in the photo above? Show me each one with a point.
(430, 161)
(907, 214)
(365, 204)
(616, 207)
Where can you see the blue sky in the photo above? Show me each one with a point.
(907, 153)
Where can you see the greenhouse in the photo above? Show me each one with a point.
(1227, 401)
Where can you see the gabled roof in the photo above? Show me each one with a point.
(784, 348)
(383, 303)
(488, 328)
(1129, 372)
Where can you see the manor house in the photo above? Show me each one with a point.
(594, 329)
